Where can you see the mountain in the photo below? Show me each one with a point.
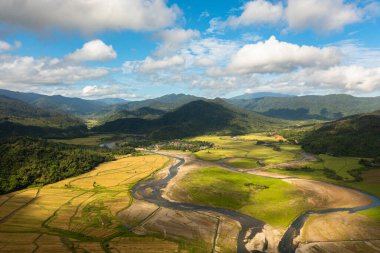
(194, 118)
(18, 118)
(112, 101)
(17, 111)
(357, 135)
(165, 103)
(310, 107)
(143, 113)
(76, 106)
(260, 95)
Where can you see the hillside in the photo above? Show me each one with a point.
(67, 104)
(143, 113)
(191, 119)
(165, 103)
(26, 161)
(310, 107)
(357, 135)
(17, 111)
(260, 95)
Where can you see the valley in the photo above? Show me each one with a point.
(239, 195)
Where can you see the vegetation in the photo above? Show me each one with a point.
(246, 147)
(26, 161)
(75, 215)
(243, 163)
(195, 118)
(76, 106)
(263, 198)
(310, 107)
(357, 135)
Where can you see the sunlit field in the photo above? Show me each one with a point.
(82, 210)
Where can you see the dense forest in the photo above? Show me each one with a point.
(357, 135)
(27, 161)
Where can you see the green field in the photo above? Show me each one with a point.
(243, 163)
(271, 200)
(246, 147)
(92, 140)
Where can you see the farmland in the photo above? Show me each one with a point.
(79, 213)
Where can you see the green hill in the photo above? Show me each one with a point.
(310, 107)
(166, 103)
(357, 135)
(194, 118)
(18, 118)
(17, 111)
(76, 106)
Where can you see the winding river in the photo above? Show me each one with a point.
(154, 195)
(286, 245)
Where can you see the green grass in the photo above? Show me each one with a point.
(93, 140)
(246, 146)
(373, 213)
(271, 200)
(243, 163)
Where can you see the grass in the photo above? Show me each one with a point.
(93, 140)
(243, 163)
(246, 147)
(271, 200)
(373, 213)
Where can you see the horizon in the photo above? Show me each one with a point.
(206, 49)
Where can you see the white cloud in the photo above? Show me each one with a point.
(346, 78)
(94, 50)
(109, 91)
(151, 65)
(17, 71)
(89, 16)
(321, 15)
(173, 39)
(276, 56)
(5, 46)
(257, 12)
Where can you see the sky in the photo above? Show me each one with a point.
(138, 49)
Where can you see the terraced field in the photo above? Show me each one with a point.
(79, 214)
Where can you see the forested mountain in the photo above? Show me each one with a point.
(14, 110)
(67, 104)
(260, 95)
(165, 103)
(194, 118)
(357, 135)
(310, 107)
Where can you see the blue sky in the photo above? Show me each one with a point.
(136, 49)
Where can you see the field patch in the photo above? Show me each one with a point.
(271, 200)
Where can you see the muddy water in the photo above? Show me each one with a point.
(154, 195)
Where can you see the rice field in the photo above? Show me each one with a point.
(247, 147)
(78, 213)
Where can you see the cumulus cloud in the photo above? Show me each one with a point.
(150, 64)
(28, 71)
(109, 91)
(173, 39)
(94, 50)
(276, 56)
(5, 46)
(347, 78)
(321, 15)
(89, 16)
(256, 13)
